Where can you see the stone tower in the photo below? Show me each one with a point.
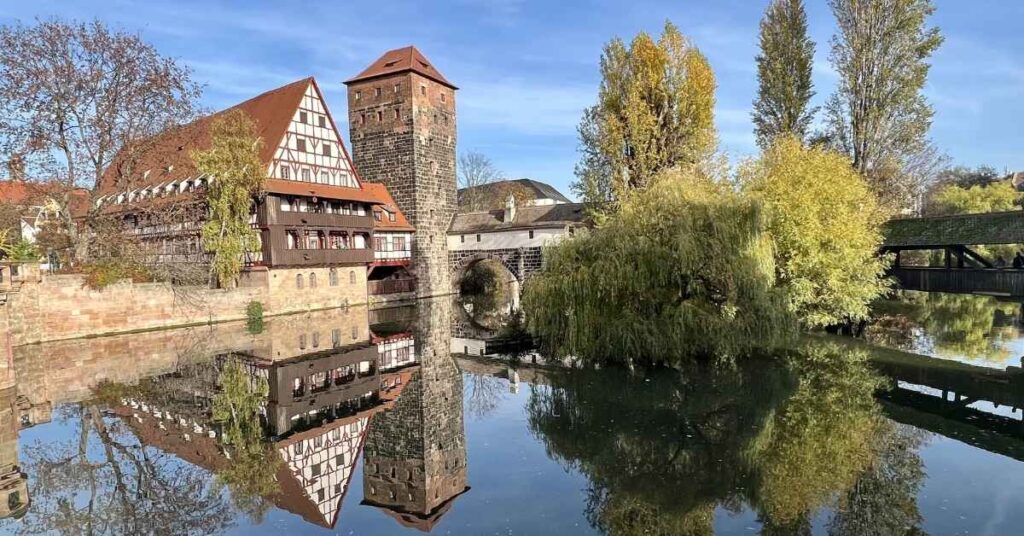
(402, 129)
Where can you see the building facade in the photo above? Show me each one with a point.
(403, 133)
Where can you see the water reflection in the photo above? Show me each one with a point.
(356, 419)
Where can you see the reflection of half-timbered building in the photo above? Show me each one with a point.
(314, 211)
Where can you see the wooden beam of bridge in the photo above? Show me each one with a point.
(942, 231)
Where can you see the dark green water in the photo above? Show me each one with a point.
(392, 429)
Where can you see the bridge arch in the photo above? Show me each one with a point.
(509, 271)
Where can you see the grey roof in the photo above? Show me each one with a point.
(543, 216)
(541, 190)
(966, 229)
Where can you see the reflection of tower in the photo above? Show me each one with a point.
(13, 483)
(415, 453)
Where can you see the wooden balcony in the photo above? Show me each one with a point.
(310, 219)
(313, 257)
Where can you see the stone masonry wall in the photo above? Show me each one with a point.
(405, 138)
(61, 307)
(522, 262)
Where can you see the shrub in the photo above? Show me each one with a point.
(254, 317)
(99, 275)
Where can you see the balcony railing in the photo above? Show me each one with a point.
(323, 256)
(391, 286)
(392, 255)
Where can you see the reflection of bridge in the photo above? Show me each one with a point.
(963, 269)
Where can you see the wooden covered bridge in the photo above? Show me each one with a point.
(963, 269)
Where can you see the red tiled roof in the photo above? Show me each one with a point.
(24, 193)
(380, 192)
(402, 60)
(323, 191)
(271, 111)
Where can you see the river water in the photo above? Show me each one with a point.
(418, 419)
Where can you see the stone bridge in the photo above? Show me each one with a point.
(521, 263)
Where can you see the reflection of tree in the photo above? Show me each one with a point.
(251, 473)
(485, 294)
(884, 499)
(102, 480)
(962, 324)
(483, 394)
(663, 452)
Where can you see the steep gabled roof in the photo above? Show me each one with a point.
(402, 60)
(169, 155)
(381, 194)
(538, 217)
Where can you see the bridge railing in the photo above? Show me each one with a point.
(961, 280)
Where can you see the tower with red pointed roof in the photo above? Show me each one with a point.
(402, 130)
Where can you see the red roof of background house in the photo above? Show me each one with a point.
(402, 60)
(26, 193)
(380, 192)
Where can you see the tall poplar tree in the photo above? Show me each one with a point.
(784, 73)
(655, 110)
(878, 115)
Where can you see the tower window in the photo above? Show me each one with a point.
(322, 120)
(442, 96)
(300, 145)
(376, 92)
(397, 114)
(362, 119)
(358, 95)
(380, 116)
(397, 87)
(423, 89)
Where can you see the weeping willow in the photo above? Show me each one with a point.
(682, 271)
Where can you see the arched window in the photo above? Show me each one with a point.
(333, 277)
(298, 280)
(312, 279)
(352, 277)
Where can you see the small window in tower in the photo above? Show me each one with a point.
(397, 87)
(397, 113)
(322, 121)
(442, 96)
(302, 117)
(300, 145)
(327, 149)
(376, 92)
(380, 116)
(358, 95)
(362, 119)
(423, 89)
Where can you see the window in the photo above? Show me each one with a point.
(307, 176)
(462, 239)
(398, 243)
(376, 92)
(391, 216)
(285, 172)
(442, 96)
(423, 90)
(302, 117)
(380, 243)
(355, 332)
(300, 145)
(327, 149)
(312, 284)
(295, 204)
(298, 284)
(335, 337)
(397, 87)
(316, 469)
(332, 277)
(376, 215)
(352, 280)
(477, 238)
(358, 95)
(291, 239)
(531, 235)
(302, 341)
(397, 114)
(322, 121)
(362, 120)
(316, 335)
(325, 177)
(380, 116)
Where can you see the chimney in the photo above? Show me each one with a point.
(510, 208)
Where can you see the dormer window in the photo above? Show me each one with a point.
(391, 216)
(376, 215)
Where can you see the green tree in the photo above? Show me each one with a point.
(682, 270)
(826, 226)
(655, 110)
(878, 115)
(784, 73)
(233, 162)
(996, 196)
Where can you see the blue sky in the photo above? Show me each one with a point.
(527, 68)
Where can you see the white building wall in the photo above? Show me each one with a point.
(512, 239)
